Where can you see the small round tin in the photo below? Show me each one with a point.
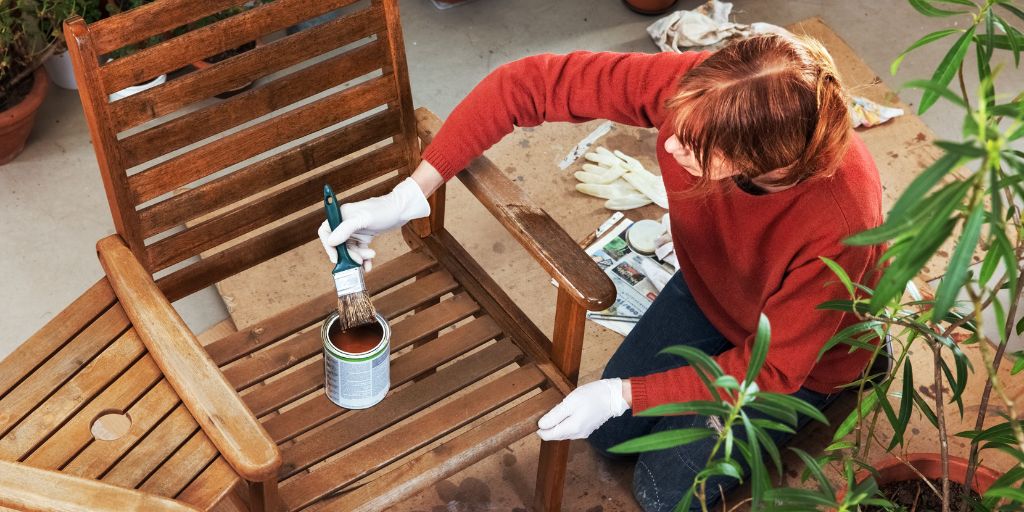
(356, 381)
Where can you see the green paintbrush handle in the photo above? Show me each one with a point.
(345, 262)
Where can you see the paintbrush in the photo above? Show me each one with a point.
(354, 306)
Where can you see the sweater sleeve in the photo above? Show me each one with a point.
(798, 332)
(628, 88)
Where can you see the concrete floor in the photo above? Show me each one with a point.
(52, 205)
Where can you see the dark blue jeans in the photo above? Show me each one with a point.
(662, 477)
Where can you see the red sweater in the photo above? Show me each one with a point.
(741, 254)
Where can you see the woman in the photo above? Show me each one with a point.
(764, 176)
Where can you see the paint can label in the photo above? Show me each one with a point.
(357, 381)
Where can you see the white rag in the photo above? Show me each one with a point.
(704, 28)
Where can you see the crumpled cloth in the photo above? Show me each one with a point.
(866, 113)
(704, 28)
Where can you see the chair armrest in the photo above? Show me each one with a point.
(38, 490)
(538, 233)
(213, 402)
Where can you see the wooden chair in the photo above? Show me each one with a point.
(470, 372)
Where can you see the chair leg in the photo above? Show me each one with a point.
(554, 458)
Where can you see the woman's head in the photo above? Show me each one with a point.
(770, 107)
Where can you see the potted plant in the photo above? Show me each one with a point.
(23, 84)
(58, 65)
(973, 195)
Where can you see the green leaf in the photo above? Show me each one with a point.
(760, 349)
(838, 270)
(662, 440)
(727, 382)
(779, 413)
(906, 403)
(1018, 364)
(705, 407)
(964, 149)
(934, 36)
(947, 68)
(758, 474)
(925, 7)
(1011, 38)
(1010, 493)
(926, 409)
(1013, 9)
(867, 404)
(725, 467)
(956, 273)
(794, 403)
(913, 194)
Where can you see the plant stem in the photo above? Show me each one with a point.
(941, 417)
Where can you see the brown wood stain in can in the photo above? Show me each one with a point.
(358, 339)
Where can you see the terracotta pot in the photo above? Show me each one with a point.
(16, 122)
(651, 7)
(930, 465)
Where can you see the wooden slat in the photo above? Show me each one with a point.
(307, 488)
(196, 126)
(27, 488)
(355, 426)
(186, 463)
(51, 414)
(99, 456)
(34, 351)
(256, 139)
(251, 216)
(212, 39)
(292, 320)
(155, 448)
(260, 248)
(446, 460)
(266, 173)
(76, 434)
(150, 20)
(396, 49)
(450, 253)
(239, 70)
(195, 377)
(269, 362)
(215, 485)
(52, 374)
(409, 366)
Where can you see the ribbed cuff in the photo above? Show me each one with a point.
(640, 401)
(436, 155)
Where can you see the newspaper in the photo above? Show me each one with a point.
(635, 292)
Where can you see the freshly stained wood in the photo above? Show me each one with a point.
(212, 39)
(309, 378)
(255, 250)
(292, 320)
(307, 488)
(237, 71)
(76, 433)
(203, 389)
(259, 212)
(539, 234)
(69, 398)
(218, 482)
(34, 351)
(27, 488)
(266, 173)
(61, 367)
(99, 456)
(150, 20)
(251, 141)
(448, 459)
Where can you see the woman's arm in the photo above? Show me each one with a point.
(629, 88)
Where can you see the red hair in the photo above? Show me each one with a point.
(768, 102)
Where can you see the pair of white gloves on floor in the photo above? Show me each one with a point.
(581, 412)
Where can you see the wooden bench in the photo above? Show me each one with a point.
(470, 372)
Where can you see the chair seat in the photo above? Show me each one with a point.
(453, 368)
(86, 363)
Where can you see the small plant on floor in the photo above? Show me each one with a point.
(743, 435)
(972, 193)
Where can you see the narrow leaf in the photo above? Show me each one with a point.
(662, 440)
(934, 36)
(947, 68)
(956, 273)
(760, 349)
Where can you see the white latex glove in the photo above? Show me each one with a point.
(664, 249)
(620, 179)
(583, 410)
(655, 273)
(363, 220)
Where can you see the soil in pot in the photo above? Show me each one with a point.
(915, 495)
(19, 93)
(213, 59)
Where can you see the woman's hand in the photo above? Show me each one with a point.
(584, 410)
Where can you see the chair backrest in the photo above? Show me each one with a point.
(187, 174)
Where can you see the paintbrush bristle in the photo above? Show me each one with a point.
(355, 309)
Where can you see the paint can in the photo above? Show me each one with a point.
(359, 377)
